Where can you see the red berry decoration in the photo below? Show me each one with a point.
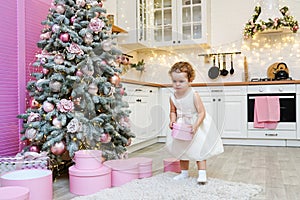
(65, 37)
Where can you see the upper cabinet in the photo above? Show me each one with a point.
(179, 22)
(164, 23)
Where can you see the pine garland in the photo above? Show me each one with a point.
(252, 26)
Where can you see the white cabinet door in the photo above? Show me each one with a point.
(144, 116)
(227, 106)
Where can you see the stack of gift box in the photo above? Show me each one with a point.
(90, 174)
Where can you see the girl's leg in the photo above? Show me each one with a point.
(201, 171)
(184, 165)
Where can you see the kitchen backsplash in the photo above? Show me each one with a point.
(261, 52)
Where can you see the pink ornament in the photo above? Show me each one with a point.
(48, 107)
(115, 79)
(34, 149)
(59, 59)
(34, 103)
(30, 133)
(45, 71)
(73, 19)
(57, 123)
(58, 148)
(79, 73)
(105, 138)
(65, 37)
(122, 91)
(128, 142)
(60, 9)
(100, 4)
(55, 28)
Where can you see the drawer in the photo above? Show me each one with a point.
(272, 134)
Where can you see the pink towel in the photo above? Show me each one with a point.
(266, 112)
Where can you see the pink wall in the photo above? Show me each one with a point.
(20, 28)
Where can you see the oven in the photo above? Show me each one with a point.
(286, 127)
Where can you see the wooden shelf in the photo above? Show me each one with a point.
(117, 29)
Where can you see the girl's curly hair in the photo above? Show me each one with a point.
(184, 67)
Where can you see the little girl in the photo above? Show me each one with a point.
(186, 107)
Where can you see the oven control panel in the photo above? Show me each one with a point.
(257, 89)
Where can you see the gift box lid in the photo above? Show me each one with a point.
(88, 153)
(14, 192)
(120, 165)
(141, 160)
(89, 172)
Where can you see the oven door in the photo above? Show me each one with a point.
(287, 110)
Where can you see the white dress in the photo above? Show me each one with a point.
(205, 143)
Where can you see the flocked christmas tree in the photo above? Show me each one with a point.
(76, 100)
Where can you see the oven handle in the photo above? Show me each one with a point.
(280, 97)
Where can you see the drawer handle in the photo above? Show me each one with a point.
(271, 134)
(138, 90)
(139, 100)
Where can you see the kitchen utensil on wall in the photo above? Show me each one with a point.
(246, 74)
(224, 71)
(271, 70)
(231, 71)
(214, 71)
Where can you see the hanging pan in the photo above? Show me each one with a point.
(214, 71)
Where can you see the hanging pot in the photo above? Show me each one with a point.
(214, 71)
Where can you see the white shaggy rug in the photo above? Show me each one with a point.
(163, 187)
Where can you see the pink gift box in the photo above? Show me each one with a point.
(172, 165)
(84, 182)
(88, 159)
(14, 193)
(123, 171)
(182, 132)
(144, 165)
(38, 181)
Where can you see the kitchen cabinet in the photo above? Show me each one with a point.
(228, 108)
(131, 16)
(144, 116)
(176, 23)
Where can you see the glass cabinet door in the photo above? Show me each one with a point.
(162, 20)
(191, 20)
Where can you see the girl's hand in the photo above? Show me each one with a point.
(171, 125)
(194, 129)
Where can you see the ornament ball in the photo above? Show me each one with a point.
(58, 148)
(115, 79)
(34, 149)
(65, 37)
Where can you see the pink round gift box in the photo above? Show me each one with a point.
(182, 132)
(145, 166)
(88, 159)
(14, 193)
(172, 165)
(123, 171)
(84, 182)
(38, 181)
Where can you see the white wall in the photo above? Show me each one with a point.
(228, 18)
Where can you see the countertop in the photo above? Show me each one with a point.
(214, 84)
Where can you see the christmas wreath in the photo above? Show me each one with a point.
(286, 20)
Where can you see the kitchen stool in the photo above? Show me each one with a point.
(14, 193)
(38, 181)
(171, 165)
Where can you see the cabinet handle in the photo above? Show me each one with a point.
(174, 42)
(219, 99)
(138, 90)
(139, 100)
(179, 41)
(214, 100)
(271, 134)
(150, 91)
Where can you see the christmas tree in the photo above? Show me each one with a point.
(76, 98)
